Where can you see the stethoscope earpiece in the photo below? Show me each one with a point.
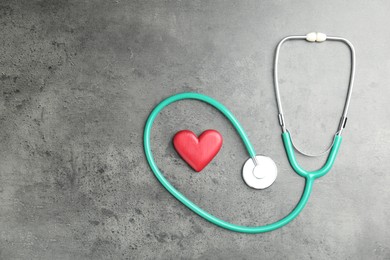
(316, 37)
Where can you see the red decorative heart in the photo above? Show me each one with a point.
(197, 152)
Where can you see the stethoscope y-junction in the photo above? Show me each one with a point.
(259, 172)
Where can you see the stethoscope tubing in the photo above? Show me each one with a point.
(192, 206)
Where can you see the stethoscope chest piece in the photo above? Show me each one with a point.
(259, 176)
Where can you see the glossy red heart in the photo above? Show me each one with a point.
(197, 152)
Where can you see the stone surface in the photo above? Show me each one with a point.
(79, 78)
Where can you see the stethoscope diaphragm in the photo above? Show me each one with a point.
(261, 175)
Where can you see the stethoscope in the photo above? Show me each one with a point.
(259, 171)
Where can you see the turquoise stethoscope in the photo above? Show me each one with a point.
(259, 172)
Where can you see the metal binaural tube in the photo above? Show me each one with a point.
(315, 37)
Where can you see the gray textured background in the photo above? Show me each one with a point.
(79, 78)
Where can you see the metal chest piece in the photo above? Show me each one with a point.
(261, 175)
